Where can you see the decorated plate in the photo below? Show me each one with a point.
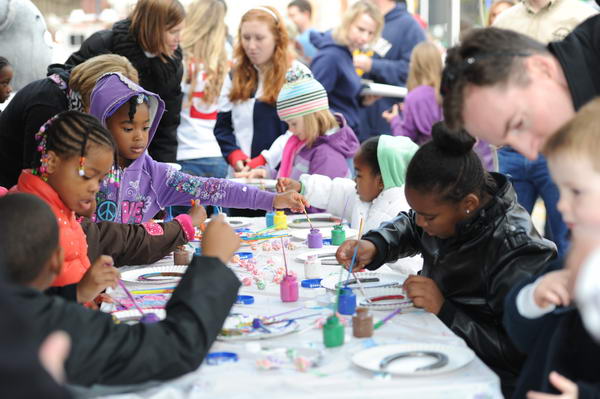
(385, 299)
(414, 359)
(239, 327)
(133, 316)
(369, 280)
(325, 254)
(263, 184)
(154, 275)
(302, 234)
(319, 220)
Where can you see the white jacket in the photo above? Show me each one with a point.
(332, 195)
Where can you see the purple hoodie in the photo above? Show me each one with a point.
(147, 186)
(329, 154)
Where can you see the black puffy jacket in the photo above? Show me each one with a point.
(491, 252)
(162, 78)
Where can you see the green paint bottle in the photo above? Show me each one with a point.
(338, 235)
(333, 332)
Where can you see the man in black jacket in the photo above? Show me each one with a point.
(103, 352)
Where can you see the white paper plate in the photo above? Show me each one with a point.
(133, 316)
(325, 254)
(236, 221)
(276, 330)
(375, 295)
(319, 220)
(369, 359)
(135, 276)
(384, 280)
(302, 234)
(264, 184)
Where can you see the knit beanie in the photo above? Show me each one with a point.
(393, 155)
(301, 95)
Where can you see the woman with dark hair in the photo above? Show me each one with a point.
(149, 39)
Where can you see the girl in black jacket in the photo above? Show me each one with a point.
(476, 242)
(149, 39)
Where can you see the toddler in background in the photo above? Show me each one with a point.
(137, 186)
(540, 318)
(476, 241)
(318, 141)
(6, 75)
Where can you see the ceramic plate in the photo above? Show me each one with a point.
(369, 280)
(325, 254)
(238, 327)
(264, 184)
(370, 359)
(132, 316)
(235, 221)
(154, 275)
(385, 299)
(302, 234)
(319, 220)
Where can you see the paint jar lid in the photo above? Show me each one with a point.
(311, 283)
(245, 255)
(216, 358)
(245, 299)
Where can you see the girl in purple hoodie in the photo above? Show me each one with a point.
(138, 186)
(317, 142)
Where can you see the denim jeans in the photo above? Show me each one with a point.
(205, 167)
(530, 180)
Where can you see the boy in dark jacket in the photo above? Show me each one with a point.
(476, 242)
(103, 352)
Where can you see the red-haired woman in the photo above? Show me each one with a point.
(247, 123)
(149, 39)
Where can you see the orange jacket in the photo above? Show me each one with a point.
(72, 237)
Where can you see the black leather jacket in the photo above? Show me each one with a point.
(491, 252)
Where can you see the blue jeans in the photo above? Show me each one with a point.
(530, 180)
(205, 167)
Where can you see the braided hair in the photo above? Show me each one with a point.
(72, 133)
(447, 166)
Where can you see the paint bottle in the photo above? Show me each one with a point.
(312, 267)
(333, 332)
(338, 235)
(362, 323)
(288, 289)
(280, 220)
(315, 239)
(347, 301)
(270, 219)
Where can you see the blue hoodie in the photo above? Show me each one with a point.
(403, 33)
(334, 69)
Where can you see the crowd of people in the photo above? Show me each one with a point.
(165, 106)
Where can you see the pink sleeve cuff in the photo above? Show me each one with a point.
(185, 221)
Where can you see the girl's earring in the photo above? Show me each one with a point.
(468, 211)
(81, 167)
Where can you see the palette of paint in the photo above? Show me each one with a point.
(369, 280)
(318, 220)
(243, 327)
(297, 358)
(154, 275)
(143, 301)
(133, 316)
(386, 299)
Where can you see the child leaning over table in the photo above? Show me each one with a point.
(562, 355)
(476, 242)
(103, 351)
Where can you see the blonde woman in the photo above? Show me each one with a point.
(64, 89)
(149, 39)
(333, 65)
(205, 58)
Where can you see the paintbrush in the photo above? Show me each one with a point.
(360, 287)
(350, 271)
(146, 317)
(387, 318)
(307, 218)
(284, 258)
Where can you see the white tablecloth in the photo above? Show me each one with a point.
(337, 376)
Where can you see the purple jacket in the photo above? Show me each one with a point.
(329, 154)
(147, 186)
(421, 111)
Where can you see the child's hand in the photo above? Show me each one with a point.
(424, 293)
(240, 165)
(219, 240)
(365, 255)
(369, 99)
(101, 275)
(388, 115)
(553, 289)
(292, 200)
(198, 215)
(258, 173)
(285, 184)
(362, 61)
(568, 388)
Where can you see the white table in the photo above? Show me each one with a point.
(337, 377)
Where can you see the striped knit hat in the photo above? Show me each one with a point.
(301, 95)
